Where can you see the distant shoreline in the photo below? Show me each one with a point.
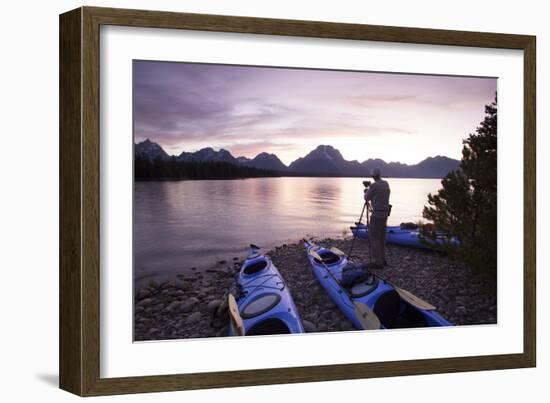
(151, 161)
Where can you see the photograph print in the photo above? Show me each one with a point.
(274, 200)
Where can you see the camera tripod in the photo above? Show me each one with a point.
(368, 209)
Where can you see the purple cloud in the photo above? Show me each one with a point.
(187, 106)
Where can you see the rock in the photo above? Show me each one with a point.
(188, 304)
(461, 296)
(167, 285)
(145, 302)
(207, 291)
(153, 284)
(309, 327)
(312, 283)
(172, 306)
(214, 305)
(222, 262)
(460, 311)
(186, 285)
(144, 293)
(193, 318)
(346, 325)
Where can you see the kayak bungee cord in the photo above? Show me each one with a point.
(365, 315)
(254, 287)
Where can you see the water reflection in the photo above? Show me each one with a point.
(178, 225)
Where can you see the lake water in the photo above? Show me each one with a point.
(184, 224)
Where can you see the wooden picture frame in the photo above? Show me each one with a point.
(80, 216)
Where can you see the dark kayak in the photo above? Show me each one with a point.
(404, 237)
(264, 301)
(394, 307)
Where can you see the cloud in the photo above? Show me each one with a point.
(191, 105)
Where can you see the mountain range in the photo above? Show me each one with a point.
(324, 160)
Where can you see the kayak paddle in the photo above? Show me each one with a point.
(365, 315)
(404, 294)
(235, 320)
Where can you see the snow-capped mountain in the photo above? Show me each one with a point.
(323, 160)
(208, 155)
(326, 159)
(243, 160)
(266, 161)
(150, 150)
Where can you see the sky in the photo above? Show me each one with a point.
(289, 112)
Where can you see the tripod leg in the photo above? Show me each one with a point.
(369, 250)
(358, 223)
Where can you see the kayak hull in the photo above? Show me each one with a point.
(380, 296)
(265, 304)
(404, 237)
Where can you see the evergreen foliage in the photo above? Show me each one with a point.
(173, 169)
(466, 205)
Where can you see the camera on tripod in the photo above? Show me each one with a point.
(366, 184)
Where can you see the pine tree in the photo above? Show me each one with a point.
(466, 205)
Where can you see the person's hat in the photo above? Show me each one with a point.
(375, 172)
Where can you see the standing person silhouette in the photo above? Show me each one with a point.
(377, 197)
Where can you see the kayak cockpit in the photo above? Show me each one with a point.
(255, 267)
(394, 313)
(329, 258)
(268, 326)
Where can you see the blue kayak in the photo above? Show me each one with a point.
(264, 301)
(405, 237)
(382, 298)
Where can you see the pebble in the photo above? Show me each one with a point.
(461, 311)
(213, 305)
(187, 286)
(144, 293)
(188, 304)
(193, 318)
(145, 302)
(172, 306)
(447, 284)
(308, 326)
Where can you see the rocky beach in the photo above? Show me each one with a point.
(192, 305)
